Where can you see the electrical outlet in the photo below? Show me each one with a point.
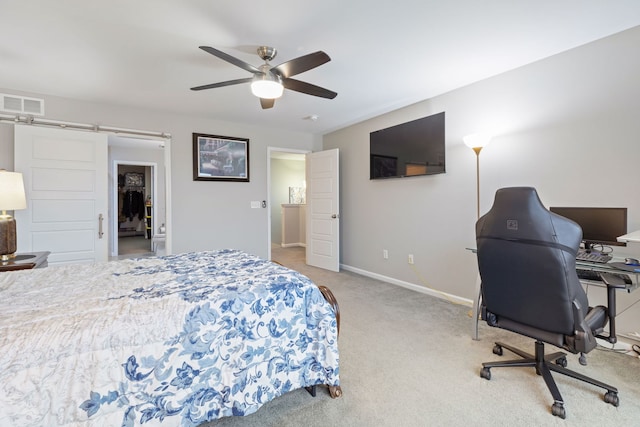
(385, 254)
(410, 259)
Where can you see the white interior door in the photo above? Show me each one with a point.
(323, 210)
(65, 175)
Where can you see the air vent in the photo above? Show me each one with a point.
(21, 105)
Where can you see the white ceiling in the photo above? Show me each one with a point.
(385, 54)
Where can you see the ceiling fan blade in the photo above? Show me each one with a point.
(301, 64)
(230, 59)
(267, 103)
(222, 84)
(308, 88)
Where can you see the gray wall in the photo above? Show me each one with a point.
(206, 215)
(567, 125)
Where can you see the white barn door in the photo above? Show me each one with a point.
(65, 176)
(323, 210)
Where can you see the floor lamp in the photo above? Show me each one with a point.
(477, 142)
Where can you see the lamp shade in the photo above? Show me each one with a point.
(12, 195)
(477, 140)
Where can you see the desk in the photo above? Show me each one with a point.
(613, 266)
(25, 261)
(633, 237)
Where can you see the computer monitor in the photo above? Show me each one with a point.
(600, 226)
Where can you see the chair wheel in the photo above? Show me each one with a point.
(558, 410)
(612, 398)
(485, 373)
(562, 362)
(497, 349)
(582, 359)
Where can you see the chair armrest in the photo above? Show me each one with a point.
(612, 281)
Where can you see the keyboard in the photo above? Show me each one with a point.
(597, 257)
(585, 274)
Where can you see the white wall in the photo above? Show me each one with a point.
(567, 125)
(206, 215)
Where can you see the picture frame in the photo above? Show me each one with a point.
(220, 158)
(133, 179)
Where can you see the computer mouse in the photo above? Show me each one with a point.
(631, 261)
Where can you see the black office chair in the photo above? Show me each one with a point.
(526, 258)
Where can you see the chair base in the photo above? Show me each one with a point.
(544, 364)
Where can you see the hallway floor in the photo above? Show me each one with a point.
(133, 247)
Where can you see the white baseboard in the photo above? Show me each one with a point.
(631, 336)
(412, 286)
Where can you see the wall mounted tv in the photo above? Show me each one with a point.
(409, 149)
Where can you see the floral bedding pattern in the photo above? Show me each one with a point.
(174, 340)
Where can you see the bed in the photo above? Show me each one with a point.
(172, 341)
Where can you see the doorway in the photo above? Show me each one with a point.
(138, 202)
(287, 201)
(134, 214)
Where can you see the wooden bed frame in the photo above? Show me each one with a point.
(334, 390)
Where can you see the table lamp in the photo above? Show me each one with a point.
(12, 197)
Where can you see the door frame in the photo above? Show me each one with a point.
(270, 152)
(168, 217)
(113, 238)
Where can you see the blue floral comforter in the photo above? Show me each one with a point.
(170, 341)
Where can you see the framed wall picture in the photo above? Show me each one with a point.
(220, 158)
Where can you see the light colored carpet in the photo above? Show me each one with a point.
(407, 359)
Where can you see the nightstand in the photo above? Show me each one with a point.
(25, 261)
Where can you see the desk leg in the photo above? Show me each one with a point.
(476, 308)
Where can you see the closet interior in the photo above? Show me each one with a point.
(134, 209)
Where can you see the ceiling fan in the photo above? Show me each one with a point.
(269, 82)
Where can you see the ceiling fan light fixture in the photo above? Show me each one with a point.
(267, 86)
(268, 83)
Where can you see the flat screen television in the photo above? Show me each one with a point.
(414, 148)
(600, 226)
